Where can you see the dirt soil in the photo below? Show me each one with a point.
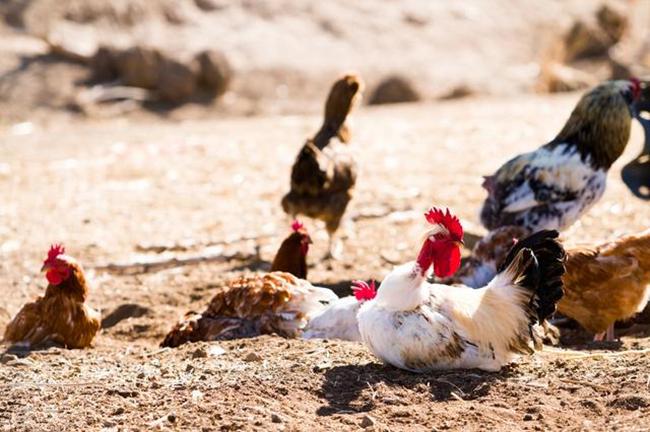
(110, 189)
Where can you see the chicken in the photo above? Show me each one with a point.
(276, 302)
(60, 316)
(339, 320)
(418, 326)
(324, 172)
(607, 283)
(286, 259)
(553, 186)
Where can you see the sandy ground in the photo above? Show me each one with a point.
(107, 189)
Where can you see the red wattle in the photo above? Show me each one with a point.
(446, 260)
(54, 277)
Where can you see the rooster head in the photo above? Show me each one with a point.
(442, 245)
(364, 291)
(305, 239)
(56, 266)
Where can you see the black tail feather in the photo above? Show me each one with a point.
(538, 261)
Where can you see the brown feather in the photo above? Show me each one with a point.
(60, 316)
(324, 173)
(607, 283)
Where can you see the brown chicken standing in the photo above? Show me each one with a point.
(60, 316)
(602, 284)
(276, 302)
(324, 173)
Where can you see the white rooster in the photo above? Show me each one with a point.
(418, 326)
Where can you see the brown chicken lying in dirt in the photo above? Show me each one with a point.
(276, 302)
(324, 173)
(602, 284)
(60, 316)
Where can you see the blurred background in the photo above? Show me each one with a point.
(193, 58)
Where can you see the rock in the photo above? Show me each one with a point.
(631, 402)
(176, 80)
(72, 42)
(613, 21)
(252, 357)
(528, 417)
(276, 418)
(216, 350)
(118, 411)
(122, 312)
(458, 92)
(199, 353)
(585, 40)
(556, 77)
(171, 418)
(103, 66)
(367, 421)
(139, 66)
(394, 89)
(210, 5)
(215, 72)
(6, 358)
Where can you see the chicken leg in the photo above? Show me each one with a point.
(607, 335)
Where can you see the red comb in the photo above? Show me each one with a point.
(297, 225)
(55, 251)
(636, 87)
(436, 216)
(363, 291)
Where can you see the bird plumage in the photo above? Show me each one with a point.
(435, 326)
(553, 186)
(324, 173)
(275, 302)
(60, 316)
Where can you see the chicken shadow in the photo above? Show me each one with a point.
(343, 385)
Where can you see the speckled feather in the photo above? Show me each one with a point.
(554, 186)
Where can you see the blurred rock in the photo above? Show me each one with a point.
(210, 5)
(457, 92)
(585, 40)
(176, 80)
(72, 42)
(103, 66)
(139, 66)
(556, 77)
(215, 71)
(394, 89)
(613, 21)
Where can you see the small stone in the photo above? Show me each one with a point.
(199, 353)
(6, 358)
(252, 357)
(141, 375)
(276, 418)
(118, 411)
(528, 417)
(367, 421)
(189, 368)
(171, 418)
(394, 89)
(216, 350)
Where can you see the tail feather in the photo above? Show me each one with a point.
(536, 264)
(195, 327)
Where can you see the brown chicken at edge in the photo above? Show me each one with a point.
(602, 284)
(276, 302)
(324, 173)
(60, 316)
(608, 283)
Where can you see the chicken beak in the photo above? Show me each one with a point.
(45, 267)
(460, 243)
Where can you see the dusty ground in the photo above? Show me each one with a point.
(107, 189)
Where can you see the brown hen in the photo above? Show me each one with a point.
(608, 283)
(60, 316)
(275, 302)
(324, 173)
